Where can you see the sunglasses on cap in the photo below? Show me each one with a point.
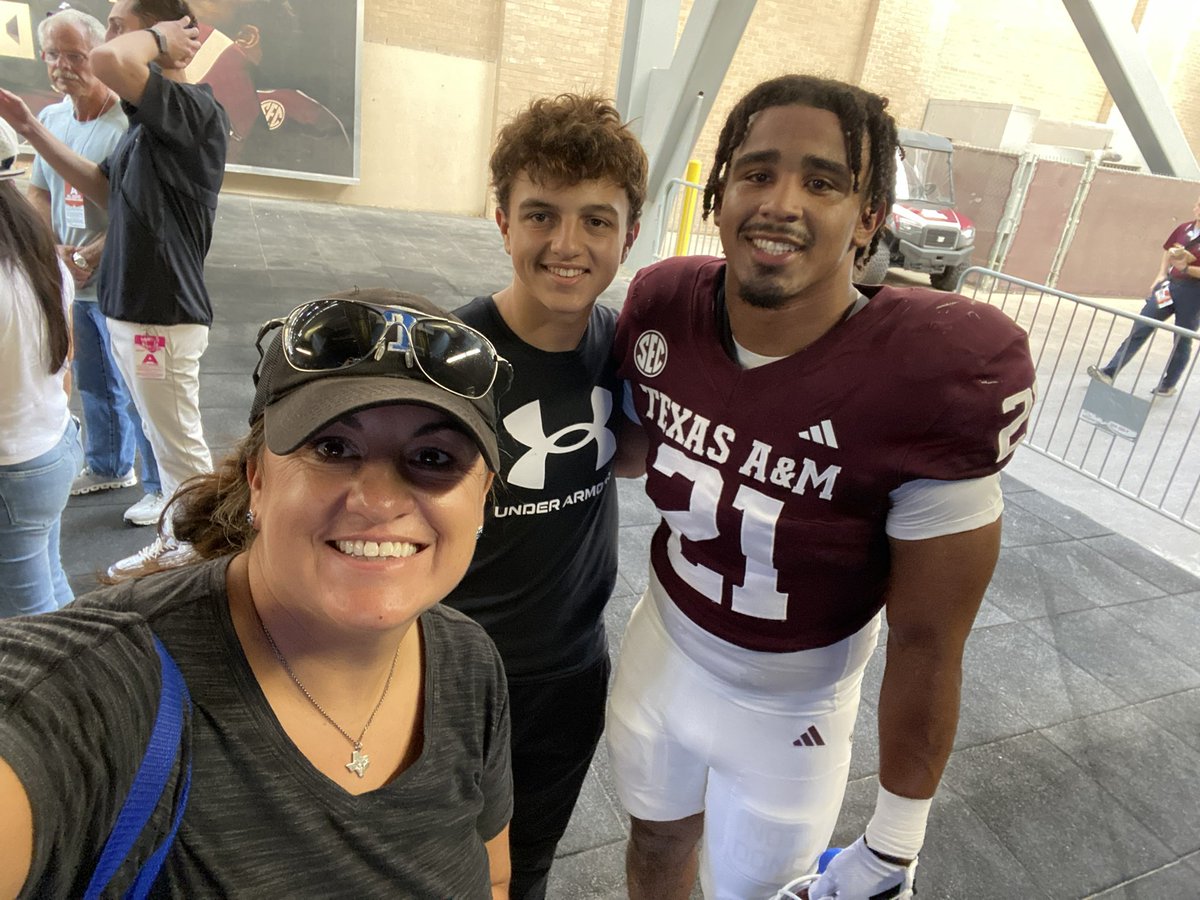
(330, 334)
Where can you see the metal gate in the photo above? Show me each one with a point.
(682, 231)
(1145, 447)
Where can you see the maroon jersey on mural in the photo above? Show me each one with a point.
(773, 482)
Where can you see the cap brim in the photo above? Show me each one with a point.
(6, 174)
(296, 417)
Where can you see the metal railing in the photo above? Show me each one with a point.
(1143, 446)
(681, 231)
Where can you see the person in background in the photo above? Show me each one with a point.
(570, 180)
(39, 440)
(160, 186)
(1175, 291)
(349, 734)
(89, 120)
(818, 455)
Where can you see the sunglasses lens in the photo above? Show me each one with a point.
(454, 357)
(329, 334)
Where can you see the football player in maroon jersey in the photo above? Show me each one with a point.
(818, 455)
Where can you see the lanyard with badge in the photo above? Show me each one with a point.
(74, 203)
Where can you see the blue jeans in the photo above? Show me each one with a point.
(112, 430)
(1185, 307)
(33, 495)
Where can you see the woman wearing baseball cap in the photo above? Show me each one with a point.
(346, 735)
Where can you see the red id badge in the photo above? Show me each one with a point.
(151, 353)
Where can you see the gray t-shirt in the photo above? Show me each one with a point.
(77, 221)
(78, 694)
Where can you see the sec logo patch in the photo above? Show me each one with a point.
(650, 353)
(274, 113)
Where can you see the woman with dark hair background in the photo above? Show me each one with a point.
(40, 453)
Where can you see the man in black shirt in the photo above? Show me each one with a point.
(160, 186)
(570, 180)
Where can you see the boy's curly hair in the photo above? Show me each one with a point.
(862, 115)
(567, 139)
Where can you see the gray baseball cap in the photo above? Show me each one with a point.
(295, 405)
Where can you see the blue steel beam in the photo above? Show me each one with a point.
(1122, 63)
(668, 92)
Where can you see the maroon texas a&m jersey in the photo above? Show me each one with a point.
(773, 482)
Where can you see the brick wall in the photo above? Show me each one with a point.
(815, 36)
(1024, 52)
(1185, 92)
(469, 28)
(552, 46)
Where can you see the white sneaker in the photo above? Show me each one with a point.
(147, 510)
(88, 482)
(164, 553)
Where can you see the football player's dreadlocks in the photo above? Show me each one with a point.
(859, 112)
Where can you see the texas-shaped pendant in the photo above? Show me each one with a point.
(358, 761)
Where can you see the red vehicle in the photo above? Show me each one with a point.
(923, 232)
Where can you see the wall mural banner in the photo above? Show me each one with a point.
(286, 71)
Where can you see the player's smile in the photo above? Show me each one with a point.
(773, 248)
(789, 213)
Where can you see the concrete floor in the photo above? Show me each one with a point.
(1076, 772)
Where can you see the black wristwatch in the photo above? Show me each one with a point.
(160, 39)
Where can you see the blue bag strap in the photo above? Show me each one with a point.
(148, 784)
(152, 866)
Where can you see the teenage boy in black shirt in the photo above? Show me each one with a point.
(570, 180)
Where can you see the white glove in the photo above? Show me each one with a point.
(858, 874)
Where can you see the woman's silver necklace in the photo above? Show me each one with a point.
(358, 760)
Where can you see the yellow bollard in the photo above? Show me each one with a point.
(690, 194)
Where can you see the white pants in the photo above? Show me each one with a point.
(165, 384)
(768, 768)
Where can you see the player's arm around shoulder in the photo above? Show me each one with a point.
(632, 446)
(16, 832)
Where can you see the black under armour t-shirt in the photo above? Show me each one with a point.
(547, 561)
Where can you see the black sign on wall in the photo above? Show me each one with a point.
(286, 71)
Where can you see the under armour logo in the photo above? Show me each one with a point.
(810, 738)
(525, 425)
(650, 353)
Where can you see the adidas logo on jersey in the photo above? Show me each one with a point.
(810, 738)
(821, 434)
